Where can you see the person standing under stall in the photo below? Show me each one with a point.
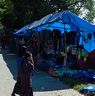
(27, 67)
(19, 59)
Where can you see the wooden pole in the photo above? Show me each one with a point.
(65, 53)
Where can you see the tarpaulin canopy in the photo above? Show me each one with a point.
(75, 23)
(54, 25)
(66, 17)
(22, 31)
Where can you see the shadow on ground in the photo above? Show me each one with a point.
(10, 60)
(41, 80)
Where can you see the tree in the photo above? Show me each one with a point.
(6, 15)
(26, 11)
(90, 6)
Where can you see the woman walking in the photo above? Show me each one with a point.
(27, 67)
(20, 57)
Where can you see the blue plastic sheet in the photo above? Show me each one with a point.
(75, 24)
(88, 90)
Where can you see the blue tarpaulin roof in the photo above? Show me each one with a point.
(66, 17)
(22, 31)
(75, 24)
(54, 25)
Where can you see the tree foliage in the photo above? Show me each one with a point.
(17, 13)
(6, 13)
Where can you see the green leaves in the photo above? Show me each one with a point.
(22, 12)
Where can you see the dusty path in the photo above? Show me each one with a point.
(7, 65)
(43, 85)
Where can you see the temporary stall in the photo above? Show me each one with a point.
(60, 21)
(75, 23)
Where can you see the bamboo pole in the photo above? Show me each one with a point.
(65, 53)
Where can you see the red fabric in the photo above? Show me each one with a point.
(82, 64)
(90, 62)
